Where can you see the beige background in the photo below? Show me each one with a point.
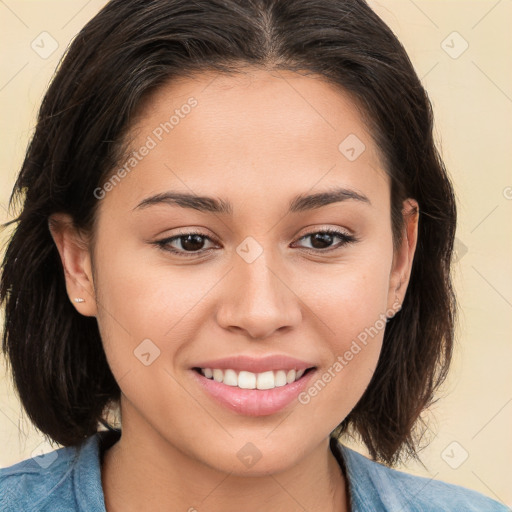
(472, 98)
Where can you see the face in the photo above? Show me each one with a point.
(266, 273)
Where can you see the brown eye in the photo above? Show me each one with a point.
(322, 240)
(191, 243)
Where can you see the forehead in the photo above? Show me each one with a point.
(256, 133)
(299, 108)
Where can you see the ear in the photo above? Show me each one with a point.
(76, 261)
(404, 255)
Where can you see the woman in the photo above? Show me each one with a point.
(236, 227)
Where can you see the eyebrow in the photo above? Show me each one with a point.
(207, 204)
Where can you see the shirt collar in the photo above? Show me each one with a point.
(88, 485)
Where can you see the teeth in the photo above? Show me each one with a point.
(265, 380)
(246, 380)
(249, 380)
(230, 378)
(280, 378)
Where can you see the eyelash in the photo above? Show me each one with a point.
(346, 239)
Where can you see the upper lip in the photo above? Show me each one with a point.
(256, 364)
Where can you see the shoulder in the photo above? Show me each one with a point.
(56, 481)
(32, 483)
(376, 487)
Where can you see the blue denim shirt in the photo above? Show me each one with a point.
(69, 479)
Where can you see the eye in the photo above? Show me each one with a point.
(191, 243)
(322, 240)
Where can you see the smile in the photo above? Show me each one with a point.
(264, 394)
(249, 380)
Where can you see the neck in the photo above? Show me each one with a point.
(143, 471)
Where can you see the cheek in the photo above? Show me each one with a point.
(142, 301)
(352, 303)
(148, 317)
(350, 297)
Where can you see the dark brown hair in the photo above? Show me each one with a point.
(128, 50)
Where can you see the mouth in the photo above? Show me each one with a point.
(243, 379)
(253, 394)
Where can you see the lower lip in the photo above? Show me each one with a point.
(254, 402)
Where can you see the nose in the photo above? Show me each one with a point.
(258, 300)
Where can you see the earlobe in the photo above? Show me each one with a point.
(75, 257)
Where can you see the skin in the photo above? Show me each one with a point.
(256, 139)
